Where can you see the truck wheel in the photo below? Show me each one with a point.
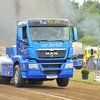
(62, 81)
(1, 79)
(78, 67)
(7, 80)
(18, 81)
(30, 81)
(4, 80)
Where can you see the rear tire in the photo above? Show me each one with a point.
(18, 81)
(4, 79)
(1, 80)
(7, 80)
(62, 82)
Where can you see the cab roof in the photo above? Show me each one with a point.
(45, 22)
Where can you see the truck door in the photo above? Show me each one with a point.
(22, 45)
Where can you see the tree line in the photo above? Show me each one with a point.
(87, 21)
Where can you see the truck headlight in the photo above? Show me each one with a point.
(33, 66)
(69, 65)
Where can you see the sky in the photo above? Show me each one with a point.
(81, 1)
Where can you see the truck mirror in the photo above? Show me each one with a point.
(26, 43)
(91, 51)
(75, 36)
(20, 34)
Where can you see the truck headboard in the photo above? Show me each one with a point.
(11, 51)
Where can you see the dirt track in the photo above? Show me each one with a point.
(50, 91)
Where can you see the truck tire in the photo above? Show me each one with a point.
(62, 82)
(4, 79)
(1, 79)
(30, 81)
(78, 67)
(18, 81)
(7, 80)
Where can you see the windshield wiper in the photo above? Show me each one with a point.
(56, 40)
(40, 41)
(47, 40)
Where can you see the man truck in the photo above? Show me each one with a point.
(45, 57)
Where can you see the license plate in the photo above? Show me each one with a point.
(51, 77)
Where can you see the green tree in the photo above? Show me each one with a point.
(87, 19)
(90, 40)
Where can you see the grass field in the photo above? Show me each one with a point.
(77, 76)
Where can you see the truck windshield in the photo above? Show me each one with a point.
(49, 33)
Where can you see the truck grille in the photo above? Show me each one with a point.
(52, 66)
(52, 72)
(44, 53)
(52, 61)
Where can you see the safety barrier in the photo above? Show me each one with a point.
(93, 64)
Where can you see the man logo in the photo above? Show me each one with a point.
(51, 54)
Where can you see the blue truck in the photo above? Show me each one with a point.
(45, 57)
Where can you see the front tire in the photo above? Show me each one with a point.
(62, 82)
(18, 81)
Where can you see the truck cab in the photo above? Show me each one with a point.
(43, 51)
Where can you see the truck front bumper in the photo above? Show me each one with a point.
(38, 74)
(45, 72)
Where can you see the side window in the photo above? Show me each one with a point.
(24, 34)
